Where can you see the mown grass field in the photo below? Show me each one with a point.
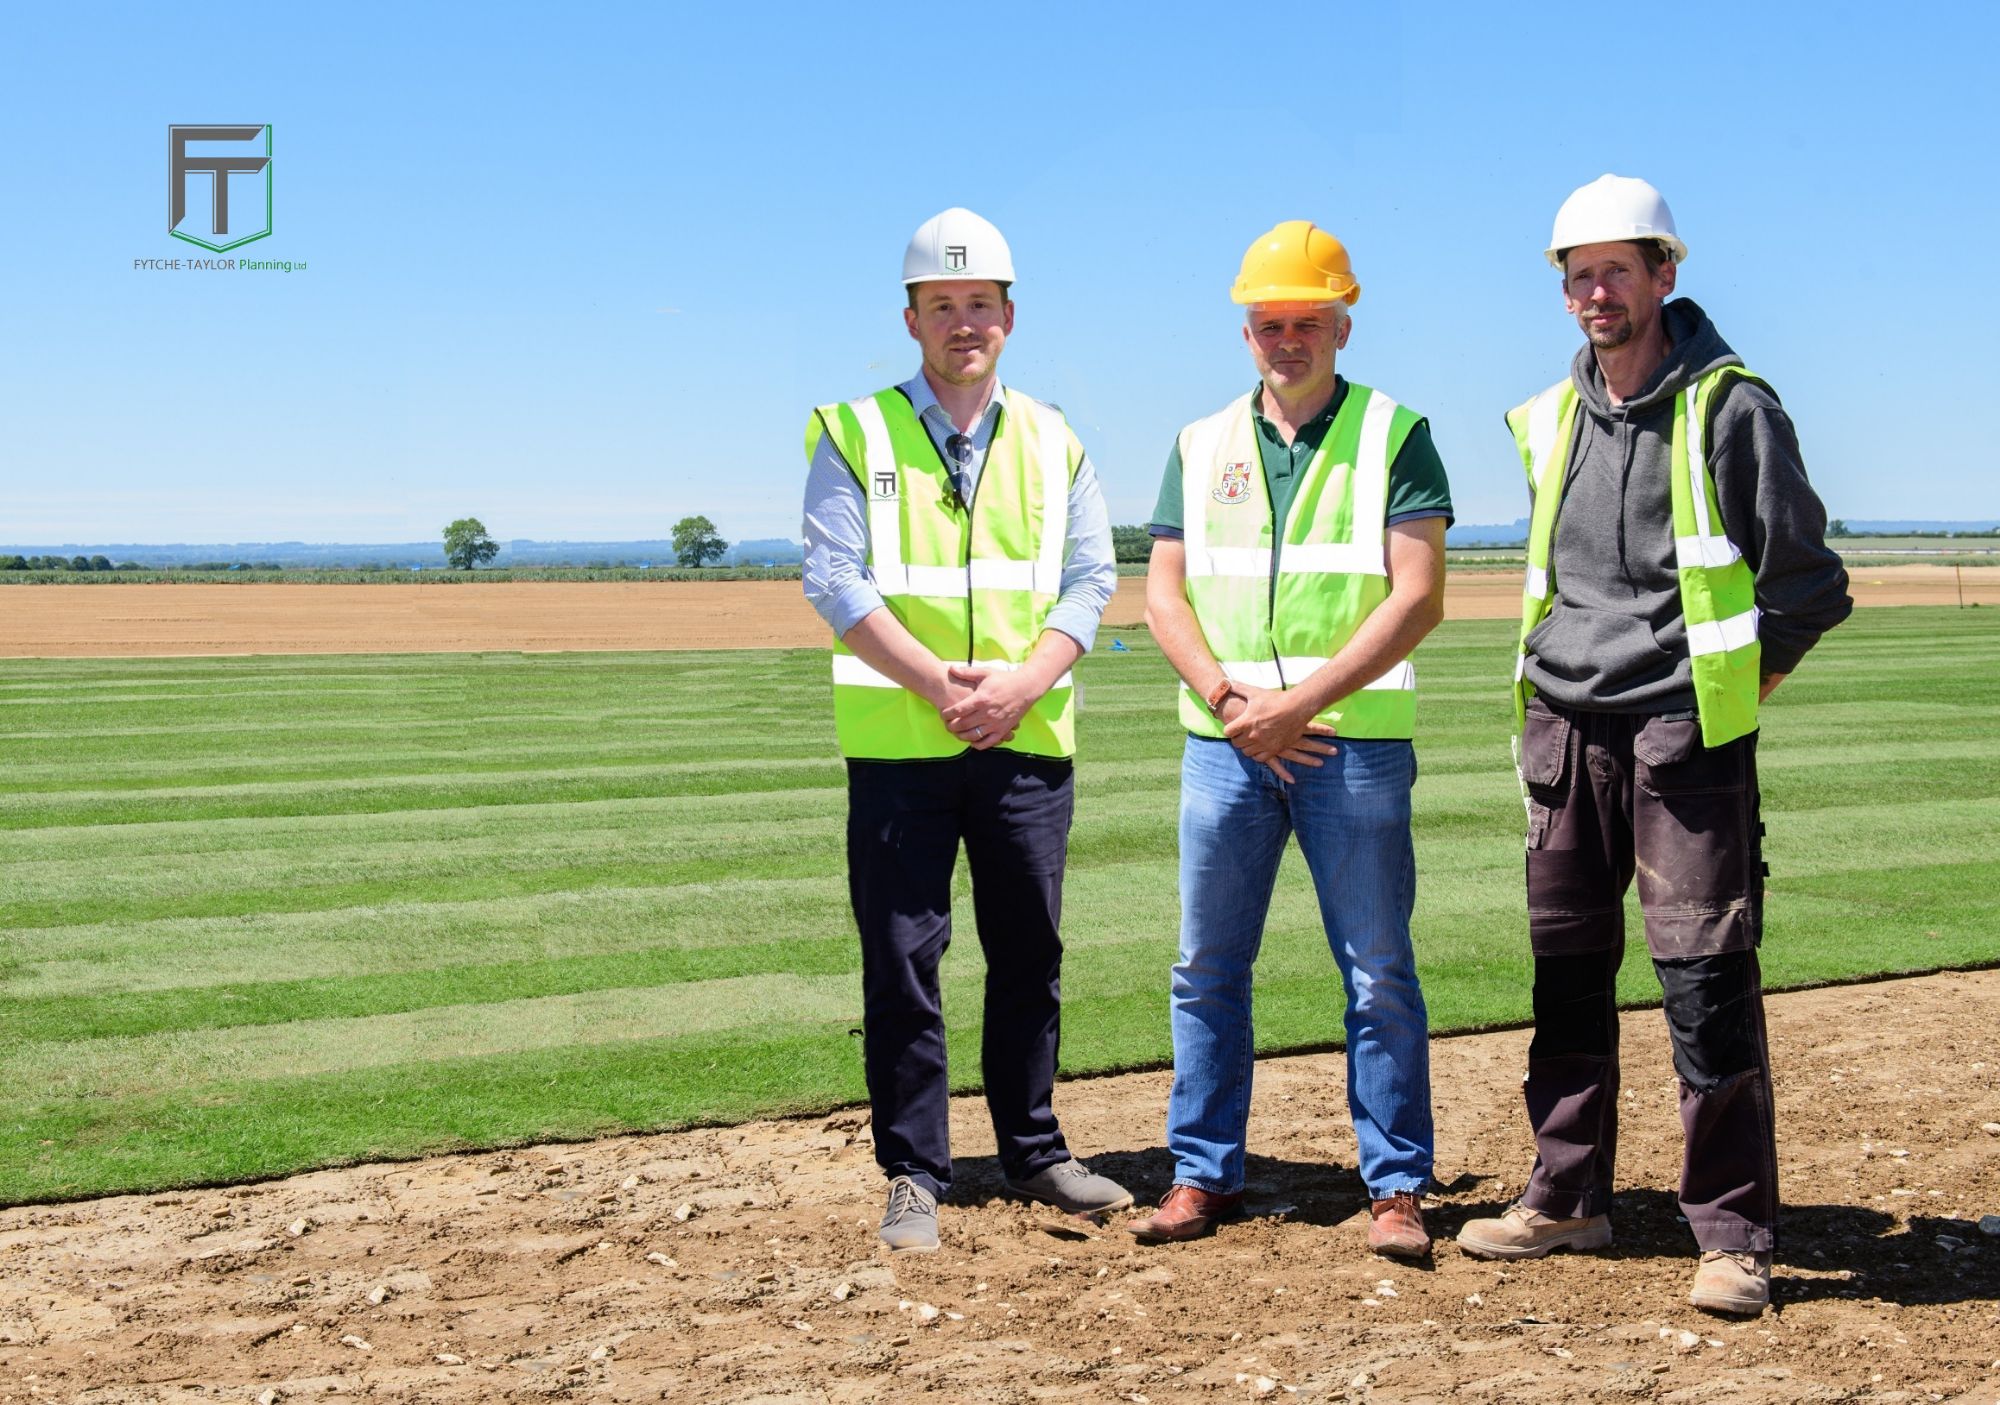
(258, 914)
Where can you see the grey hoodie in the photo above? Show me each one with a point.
(1614, 639)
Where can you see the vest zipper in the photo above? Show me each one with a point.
(969, 630)
(965, 507)
(1271, 597)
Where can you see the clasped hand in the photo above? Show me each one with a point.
(982, 706)
(1268, 726)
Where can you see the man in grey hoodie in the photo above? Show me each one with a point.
(1678, 570)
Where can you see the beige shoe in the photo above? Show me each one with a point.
(1522, 1233)
(1732, 1281)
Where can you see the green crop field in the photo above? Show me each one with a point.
(258, 914)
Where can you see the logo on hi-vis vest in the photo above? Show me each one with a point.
(1235, 484)
(885, 483)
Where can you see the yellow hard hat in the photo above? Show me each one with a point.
(1296, 261)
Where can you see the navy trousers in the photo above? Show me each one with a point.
(905, 821)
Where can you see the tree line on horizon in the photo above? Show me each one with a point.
(17, 562)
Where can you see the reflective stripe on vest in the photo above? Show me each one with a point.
(1717, 586)
(971, 584)
(1274, 614)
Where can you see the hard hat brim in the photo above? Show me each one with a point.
(1676, 251)
(1251, 297)
(1006, 278)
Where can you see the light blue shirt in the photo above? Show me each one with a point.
(837, 580)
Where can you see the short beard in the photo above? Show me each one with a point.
(942, 369)
(1611, 337)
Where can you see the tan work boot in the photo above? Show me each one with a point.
(1733, 1281)
(1187, 1212)
(1522, 1233)
(1396, 1226)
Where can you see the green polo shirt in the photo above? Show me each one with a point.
(1417, 485)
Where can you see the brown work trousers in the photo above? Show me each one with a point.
(1611, 795)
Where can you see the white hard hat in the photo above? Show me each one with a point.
(957, 244)
(1612, 210)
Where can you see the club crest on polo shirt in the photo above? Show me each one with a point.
(1234, 486)
(884, 483)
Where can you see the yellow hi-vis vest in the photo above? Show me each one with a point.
(1273, 613)
(1718, 588)
(973, 583)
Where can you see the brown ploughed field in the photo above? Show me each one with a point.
(105, 621)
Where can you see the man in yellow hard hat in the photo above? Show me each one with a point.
(1298, 558)
(958, 547)
(1678, 570)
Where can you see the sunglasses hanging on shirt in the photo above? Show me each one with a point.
(959, 448)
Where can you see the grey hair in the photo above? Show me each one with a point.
(1341, 315)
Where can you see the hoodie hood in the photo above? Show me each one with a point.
(1697, 349)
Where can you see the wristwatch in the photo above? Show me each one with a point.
(1215, 695)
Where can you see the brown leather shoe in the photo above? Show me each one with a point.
(1186, 1213)
(1396, 1226)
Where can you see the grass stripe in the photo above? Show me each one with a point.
(192, 1061)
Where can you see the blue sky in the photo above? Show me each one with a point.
(583, 270)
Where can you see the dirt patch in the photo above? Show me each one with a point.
(127, 621)
(740, 1264)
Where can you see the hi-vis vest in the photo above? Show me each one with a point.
(1272, 613)
(972, 584)
(1718, 589)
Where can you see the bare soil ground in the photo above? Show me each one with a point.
(740, 1265)
(112, 621)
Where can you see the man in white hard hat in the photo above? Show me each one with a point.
(957, 545)
(1298, 558)
(1678, 571)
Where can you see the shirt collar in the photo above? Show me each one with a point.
(925, 402)
(1315, 424)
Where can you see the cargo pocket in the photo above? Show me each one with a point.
(1545, 755)
(1694, 837)
(1672, 760)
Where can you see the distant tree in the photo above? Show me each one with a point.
(695, 542)
(79, 563)
(466, 544)
(13, 563)
(1131, 543)
(1837, 528)
(100, 563)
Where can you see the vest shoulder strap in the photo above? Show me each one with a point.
(859, 429)
(1046, 426)
(816, 427)
(1707, 395)
(1711, 385)
(1385, 424)
(1536, 424)
(1206, 435)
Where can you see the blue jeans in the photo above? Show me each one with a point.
(1352, 817)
